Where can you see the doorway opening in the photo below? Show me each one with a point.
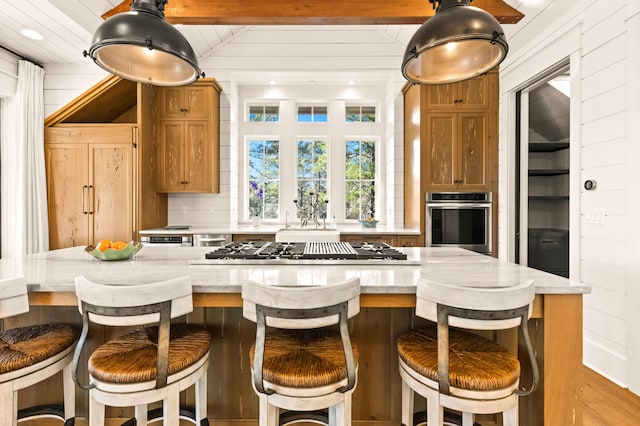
(542, 172)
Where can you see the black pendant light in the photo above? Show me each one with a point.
(458, 43)
(140, 45)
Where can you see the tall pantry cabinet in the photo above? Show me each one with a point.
(100, 155)
(90, 185)
(450, 142)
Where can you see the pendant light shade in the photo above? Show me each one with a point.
(458, 43)
(140, 45)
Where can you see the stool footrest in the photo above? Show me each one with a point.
(46, 410)
(186, 413)
(291, 417)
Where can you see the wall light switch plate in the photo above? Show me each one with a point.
(595, 216)
(183, 210)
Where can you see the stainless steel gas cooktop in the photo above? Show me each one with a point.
(260, 252)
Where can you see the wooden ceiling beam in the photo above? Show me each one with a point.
(311, 12)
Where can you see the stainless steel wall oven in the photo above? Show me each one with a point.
(458, 219)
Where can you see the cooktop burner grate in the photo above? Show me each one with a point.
(303, 251)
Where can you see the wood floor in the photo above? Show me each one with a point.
(607, 404)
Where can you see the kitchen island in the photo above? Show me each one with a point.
(388, 296)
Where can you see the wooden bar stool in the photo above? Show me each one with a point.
(460, 370)
(31, 354)
(153, 363)
(300, 362)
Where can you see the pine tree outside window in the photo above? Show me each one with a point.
(360, 174)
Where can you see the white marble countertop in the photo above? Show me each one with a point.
(54, 271)
(272, 228)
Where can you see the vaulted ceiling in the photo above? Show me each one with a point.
(369, 40)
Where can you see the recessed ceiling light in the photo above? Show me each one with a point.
(272, 82)
(351, 82)
(32, 34)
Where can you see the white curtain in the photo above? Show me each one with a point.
(24, 186)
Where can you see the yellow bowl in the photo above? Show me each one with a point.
(113, 254)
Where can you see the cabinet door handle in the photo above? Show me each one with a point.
(85, 189)
(90, 199)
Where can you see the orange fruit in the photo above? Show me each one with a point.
(119, 245)
(103, 245)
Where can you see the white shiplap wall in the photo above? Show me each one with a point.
(252, 55)
(599, 45)
(8, 74)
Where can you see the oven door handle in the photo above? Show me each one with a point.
(459, 205)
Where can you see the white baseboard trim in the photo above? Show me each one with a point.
(606, 363)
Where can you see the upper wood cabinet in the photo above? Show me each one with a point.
(188, 137)
(457, 151)
(185, 102)
(466, 95)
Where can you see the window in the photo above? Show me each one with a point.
(312, 175)
(360, 114)
(360, 174)
(263, 113)
(264, 178)
(312, 114)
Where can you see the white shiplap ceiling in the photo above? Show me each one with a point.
(67, 27)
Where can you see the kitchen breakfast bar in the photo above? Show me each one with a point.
(387, 301)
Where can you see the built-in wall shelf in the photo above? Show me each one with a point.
(548, 146)
(548, 172)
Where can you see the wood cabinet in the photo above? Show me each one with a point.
(450, 142)
(100, 152)
(254, 237)
(457, 151)
(90, 187)
(409, 241)
(370, 238)
(466, 95)
(188, 137)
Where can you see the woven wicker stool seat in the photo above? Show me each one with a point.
(25, 346)
(131, 358)
(152, 363)
(460, 370)
(29, 355)
(304, 358)
(475, 363)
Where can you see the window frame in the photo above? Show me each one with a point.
(360, 106)
(313, 107)
(244, 181)
(288, 131)
(264, 106)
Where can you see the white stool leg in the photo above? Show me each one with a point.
(201, 398)
(269, 414)
(510, 415)
(467, 419)
(340, 414)
(9, 400)
(141, 415)
(171, 408)
(69, 389)
(434, 409)
(407, 404)
(96, 411)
